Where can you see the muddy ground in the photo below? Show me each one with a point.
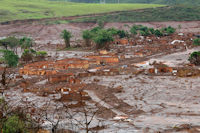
(50, 33)
(153, 103)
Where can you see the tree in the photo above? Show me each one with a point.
(102, 38)
(168, 30)
(179, 27)
(4, 43)
(136, 27)
(100, 24)
(142, 32)
(121, 33)
(28, 54)
(15, 117)
(66, 35)
(158, 33)
(133, 31)
(26, 43)
(87, 35)
(144, 28)
(196, 41)
(112, 30)
(41, 54)
(13, 43)
(10, 57)
(95, 30)
(152, 30)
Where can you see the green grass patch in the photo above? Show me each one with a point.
(37, 9)
(174, 13)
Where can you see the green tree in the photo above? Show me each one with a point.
(26, 43)
(102, 38)
(158, 32)
(136, 27)
(133, 31)
(144, 28)
(87, 35)
(142, 32)
(95, 30)
(112, 30)
(13, 43)
(152, 30)
(66, 35)
(28, 54)
(10, 57)
(100, 24)
(121, 33)
(179, 27)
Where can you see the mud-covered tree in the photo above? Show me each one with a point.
(11, 59)
(28, 54)
(66, 35)
(87, 36)
(102, 38)
(41, 55)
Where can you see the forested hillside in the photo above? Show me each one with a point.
(167, 2)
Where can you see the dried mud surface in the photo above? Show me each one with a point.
(50, 33)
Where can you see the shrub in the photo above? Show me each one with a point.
(196, 41)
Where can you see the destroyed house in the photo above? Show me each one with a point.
(75, 96)
(71, 87)
(60, 78)
(161, 70)
(27, 71)
(106, 59)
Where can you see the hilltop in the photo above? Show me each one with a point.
(38, 9)
(165, 2)
(173, 13)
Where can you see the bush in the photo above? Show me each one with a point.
(196, 41)
(102, 38)
(41, 53)
(121, 33)
(95, 30)
(152, 30)
(158, 32)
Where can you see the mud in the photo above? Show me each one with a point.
(50, 33)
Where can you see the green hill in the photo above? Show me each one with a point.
(174, 13)
(37, 9)
(165, 2)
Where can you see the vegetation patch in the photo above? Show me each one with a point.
(37, 9)
(174, 13)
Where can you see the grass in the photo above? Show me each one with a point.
(37, 9)
(174, 13)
